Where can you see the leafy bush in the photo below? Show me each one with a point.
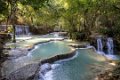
(41, 29)
(82, 35)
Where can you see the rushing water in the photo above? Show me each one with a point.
(56, 35)
(22, 30)
(99, 45)
(77, 68)
(110, 49)
(110, 46)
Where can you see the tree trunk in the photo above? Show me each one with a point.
(13, 17)
(14, 31)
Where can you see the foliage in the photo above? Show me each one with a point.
(3, 7)
(3, 10)
(74, 16)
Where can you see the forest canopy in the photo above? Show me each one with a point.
(73, 16)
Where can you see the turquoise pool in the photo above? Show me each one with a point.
(78, 68)
(40, 52)
(49, 49)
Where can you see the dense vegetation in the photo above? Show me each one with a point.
(80, 18)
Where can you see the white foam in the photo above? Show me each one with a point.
(46, 72)
(99, 52)
(45, 67)
(48, 75)
(54, 66)
(109, 56)
(113, 57)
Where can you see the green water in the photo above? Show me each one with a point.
(47, 50)
(78, 68)
(43, 51)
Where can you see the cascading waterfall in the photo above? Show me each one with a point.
(56, 35)
(22, 30)
(99, 45)
(110, 46)
(46, 71)
(27, 30)
(45, 68)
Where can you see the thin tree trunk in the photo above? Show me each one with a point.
(13, 15)
(7, 16)
(14, 31)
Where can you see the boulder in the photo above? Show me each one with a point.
(24, 73)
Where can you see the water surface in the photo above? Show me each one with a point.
(41, 51)
(78, 68)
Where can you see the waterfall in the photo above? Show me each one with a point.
(110, 46)
(45, 72)
(56, 35)
(22, 30)
(27, 30)
(99, 45)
